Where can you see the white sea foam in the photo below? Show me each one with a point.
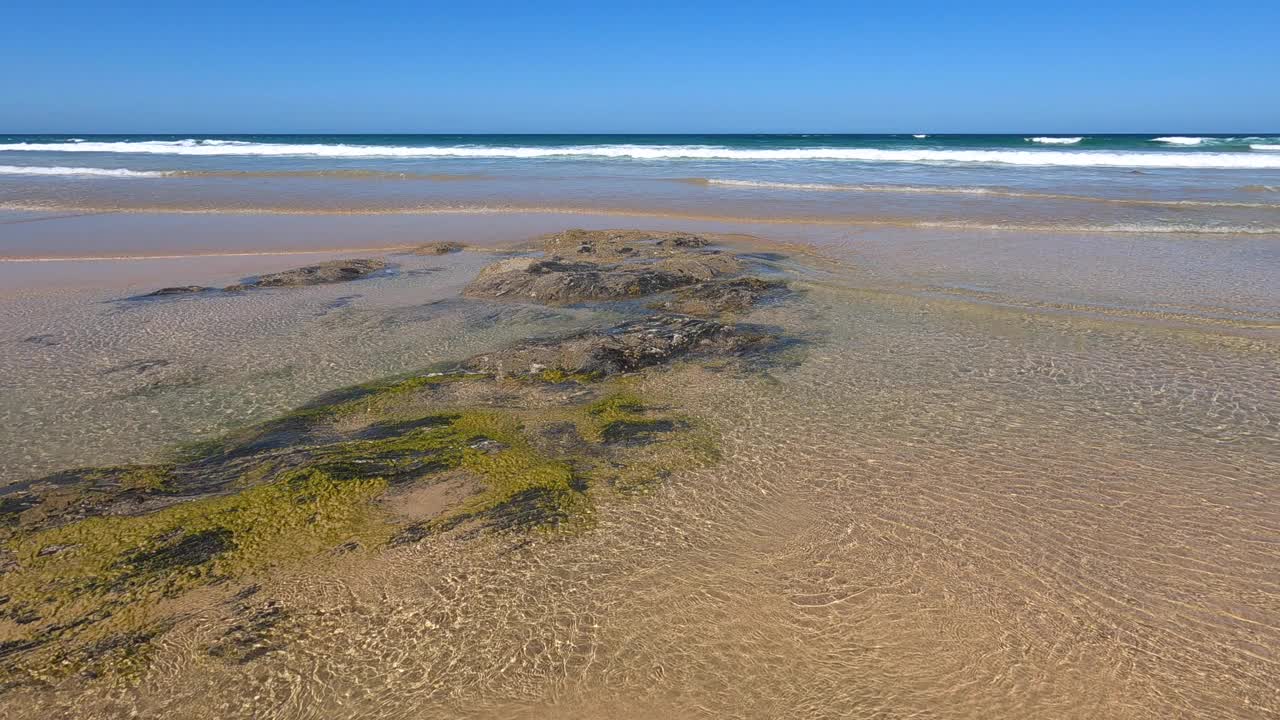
(1179, 140)
(1086, 158)
(920, 136)
(1271, 148)
(1055, 140)
(79, 171)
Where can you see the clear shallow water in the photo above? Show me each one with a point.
(1129, 183)
(1038, 507)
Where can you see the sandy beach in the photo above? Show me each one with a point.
(907, 480)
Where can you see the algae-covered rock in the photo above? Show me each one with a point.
(527, 438)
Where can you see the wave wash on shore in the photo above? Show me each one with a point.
(1049, 158)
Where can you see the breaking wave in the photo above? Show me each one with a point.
(1179, 140)
(1044, 158)
(79, 171)
(1055, 140)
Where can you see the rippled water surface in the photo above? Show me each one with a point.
(1008, 477)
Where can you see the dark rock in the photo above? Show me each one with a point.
(178, 290)
(625, 432)
(323, 273)
(611, 243)
(333, 271)
(685, 241)
(581, 265)
(48, 550)
(559, 282)
(438, 248)
(625, 348)
(719, 297)
(46, 340)
(187, 551)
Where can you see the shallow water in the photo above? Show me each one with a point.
(1011, 477)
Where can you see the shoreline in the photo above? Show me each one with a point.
(56, 213)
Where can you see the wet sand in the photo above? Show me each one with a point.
(1009, 476)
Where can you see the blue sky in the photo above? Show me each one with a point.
(662, 67)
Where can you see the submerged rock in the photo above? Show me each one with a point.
(627, 347)
(179, 290)
(438, 248)
(721, 297)
(322, 273)
(528, 436)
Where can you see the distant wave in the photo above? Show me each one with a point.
(975, 190)
(342, 174)
(920, 136)
(79, 171)
(1271, 148)
(1044, 158)
(1261, 188)
(1055, 140)
(1193, 141)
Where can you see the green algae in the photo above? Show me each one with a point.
(100, 578)
(619, 415)
(94, 590)
(556, 376)
(146, 477)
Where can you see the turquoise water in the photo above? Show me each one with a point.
(1092, 183)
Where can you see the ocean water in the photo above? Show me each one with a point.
(1219, 184)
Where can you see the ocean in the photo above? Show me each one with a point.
(1153, 183)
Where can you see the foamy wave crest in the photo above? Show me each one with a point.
(674, 152)
(1179, 140)
(79, 171)
(920, 136)
(1055, 140)
(1269, 148)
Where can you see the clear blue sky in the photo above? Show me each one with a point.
(714, 66)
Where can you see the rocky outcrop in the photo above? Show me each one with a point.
(178, 290)
(323, 273)
(438, 248)
(721, 297)
(628, 347)
(580, 266)
(334, 271)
